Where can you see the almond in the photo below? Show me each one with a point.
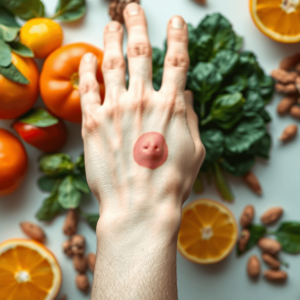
(253, 267)
(271, 215)
(33, 231)
(80, 263)
(91, 259)
(271, 261)
(270, 246)
(274, 275)
(289, 132)
(82, 282)
(285, 105)
(247, 216)
(243, 240)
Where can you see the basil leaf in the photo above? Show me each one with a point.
(56, 164)
(47, 184)
(256, 233)
(50, 208)
(239, 42)
(25, 10)
(70, 10)
(238, 165)
(254, 102)
(247, 132)
(68, 195)
(213, 141)
(39, 117)
(8, 34)
(225, 61)
(204, 48)
(7, 18)
(288, 235)
(12, 73)
(262, 147)
(80, 183)
(21, 49)
(5, 55)
(92, 219)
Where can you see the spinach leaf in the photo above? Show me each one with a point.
(157, 78)
(239, 42)
(224, 39)
(254, 102)
(47, 184)
(193, 38)
(288, 235)
(212, 24)
(204, 48)
(213, 141)
(261, 147)
(158, 57)
(265, 115)
(239, 83)
(237, 165)
(56, 164)
(256, 233)
(245, 134)
(266, 87)
(68, 195)
(225, 61)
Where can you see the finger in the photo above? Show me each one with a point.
(139, 50)
(177, 58)
(113, 65)
(88, 84)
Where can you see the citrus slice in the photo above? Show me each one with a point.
(278, 19)
(208, 232)
(28, 271)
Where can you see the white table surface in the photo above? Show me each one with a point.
(279, 176)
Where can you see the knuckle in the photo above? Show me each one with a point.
(180, 109)
(90, 123)
(113, 63)
(87, 85)
(139, 49)
(178, 60)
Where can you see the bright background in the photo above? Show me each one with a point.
(279, 177)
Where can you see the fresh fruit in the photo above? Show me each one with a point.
(48, 139)
(13, 162)
(28, 270)
(42, 36)
(15, 98)
(208, 232)
(278, 19)
(60, 80)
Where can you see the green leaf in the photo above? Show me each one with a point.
(92, 219)
(5, 55)
(158, 57)
(239, 83)
(238, 165)
(79, 164)
(247, 132)
(239, 42)
(70, 10)
(56, 164)
(80, 184)
(256, 233)
(7, 18)
(226, 110)
(25, 9)
(254, 102)
(12, 73)
(224, 39)
(157, 78)
(213, 141)
(288, 235)
(225, 61)
(8, 34)
(39, 117)
(248, 64)
(265, 115)
(204, 48)
(50, 208)
(193, 38)
(221, 184)
(21, 49)
(212, 24)
(47, 184)
(267, 88)
(68, 195)
(262, 147)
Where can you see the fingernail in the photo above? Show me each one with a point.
(133, 9)
(177, 23)
(88, 57)
(113, 27)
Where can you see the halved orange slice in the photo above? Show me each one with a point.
(28, 270)
(278, 19)
(208, 232)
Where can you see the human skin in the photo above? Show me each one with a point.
(140, 207)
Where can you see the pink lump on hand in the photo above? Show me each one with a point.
(150, 150)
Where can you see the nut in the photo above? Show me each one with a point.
(275, 275)
(290, 62)
(283, 76)
(91, 259)
(82, 282)
(63, 297)
(67, 248)
(202, 2)
(289, 132)
(80, 263)
(78, 244)
(33, 231)
(271, 261)
(269, 246)
(70, 224)
(253, 266)
(243, 240)
(247, 216)
(295, 112)
(285, 105)
(271, 215)
(286, 89)
(253, 183)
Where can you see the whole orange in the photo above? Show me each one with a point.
(42, 36)
(15, 98)
(59, 80)
(13, 162)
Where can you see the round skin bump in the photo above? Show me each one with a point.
(150, 150)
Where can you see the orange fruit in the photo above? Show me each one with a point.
(15, 98)
(208, 232)
(42, 36)
(13, 162)
(278, 19)
(28, 270)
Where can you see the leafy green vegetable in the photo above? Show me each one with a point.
(288, 235)
(237, 165)
(5, 55)
(47, 184)
(68, 194)
(39, 117)
(12, 73)
(79, 182)
(92, 219)
(213, 140)
(7, 18)
(70, 10)
(204, 47)
(8, 34)
(225, 61)
(56, 164)
(21, 49)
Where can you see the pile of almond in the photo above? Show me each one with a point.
(288, 83)
(270, 248)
